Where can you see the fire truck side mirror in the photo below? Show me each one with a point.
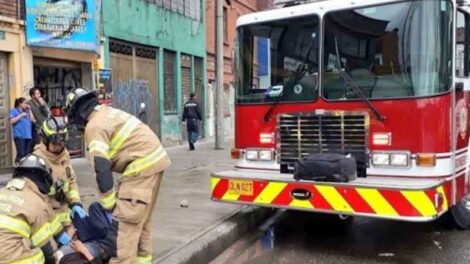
(459, 87)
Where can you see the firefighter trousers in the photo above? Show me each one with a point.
(132, 220)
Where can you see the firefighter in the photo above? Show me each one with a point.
(25, 233)
(119, 142)
(64, 195)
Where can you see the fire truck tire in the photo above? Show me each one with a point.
(461, 213)
(345, 218)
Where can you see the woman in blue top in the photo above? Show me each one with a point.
(21, 118)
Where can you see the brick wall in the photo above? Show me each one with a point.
(8, 8)
(234, 11)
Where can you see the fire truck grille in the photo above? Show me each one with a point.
(302, 134)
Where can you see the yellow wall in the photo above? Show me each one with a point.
(20, 62)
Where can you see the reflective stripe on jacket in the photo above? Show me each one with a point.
(24, 214)
(131, 146)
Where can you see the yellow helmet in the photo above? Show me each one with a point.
(53, 131)
(74, 99)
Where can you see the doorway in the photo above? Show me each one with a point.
(5, 138)
(56, 78)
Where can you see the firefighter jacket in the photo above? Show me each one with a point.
(61, 171)
(119, 142)
(24, 222)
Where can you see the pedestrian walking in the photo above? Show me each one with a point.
(41, 111)
(25, 214)
(64, 195)
(192, 116)
(21, 120)
(119, 142)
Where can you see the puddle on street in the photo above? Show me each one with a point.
(254, 249)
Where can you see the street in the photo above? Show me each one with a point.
(302, 237)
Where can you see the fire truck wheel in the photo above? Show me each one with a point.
(461, 213)
(346, 220)
(345, 217)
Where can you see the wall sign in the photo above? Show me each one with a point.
(65, 24)
(105, 89)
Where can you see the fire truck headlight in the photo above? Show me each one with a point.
(266, 155)
(251, 155)
(399, 159)
(380, 159)
(391, 159)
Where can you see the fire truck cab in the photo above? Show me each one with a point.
(386, 81)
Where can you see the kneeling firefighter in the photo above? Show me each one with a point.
(64, 197)
(25, 233)
(119, 142)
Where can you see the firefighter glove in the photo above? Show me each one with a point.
(63, 239)
(77, 209)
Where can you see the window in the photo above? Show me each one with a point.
(461, 46)
(169, 82)
(225, 25)
(187, 8)
(388, 51)
(277, 61)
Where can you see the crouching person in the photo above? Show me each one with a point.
(64, 197)
(25, 233)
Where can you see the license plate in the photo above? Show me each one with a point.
(240, 187)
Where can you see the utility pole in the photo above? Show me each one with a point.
(219, 72)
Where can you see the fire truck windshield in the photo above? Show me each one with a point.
(277, 61)
(390, 51)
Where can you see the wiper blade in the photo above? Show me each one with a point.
(358, 91)
(267, 116)
(295, 77)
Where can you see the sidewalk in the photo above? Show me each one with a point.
(187, 179)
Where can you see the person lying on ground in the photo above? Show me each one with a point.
(89, 243)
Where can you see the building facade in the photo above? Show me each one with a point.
(14, 72)
(43, 46)
(155, 47)
(156, 52)
(232, 10)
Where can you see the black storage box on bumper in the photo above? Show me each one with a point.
(328, 167)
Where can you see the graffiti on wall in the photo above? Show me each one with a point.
(130, 95)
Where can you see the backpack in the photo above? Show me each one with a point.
(326, 167)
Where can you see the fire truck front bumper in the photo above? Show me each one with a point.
(416, 200)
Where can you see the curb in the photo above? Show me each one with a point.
(213, 241)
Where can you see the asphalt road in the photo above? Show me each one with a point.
(301, 237)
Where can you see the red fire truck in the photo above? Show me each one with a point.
(386, 81)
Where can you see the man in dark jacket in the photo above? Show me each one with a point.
(192, 116)
(40, 111)
(89, 245)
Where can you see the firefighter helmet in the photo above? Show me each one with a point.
(53, 131)
(36, 169)
(74, 99)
